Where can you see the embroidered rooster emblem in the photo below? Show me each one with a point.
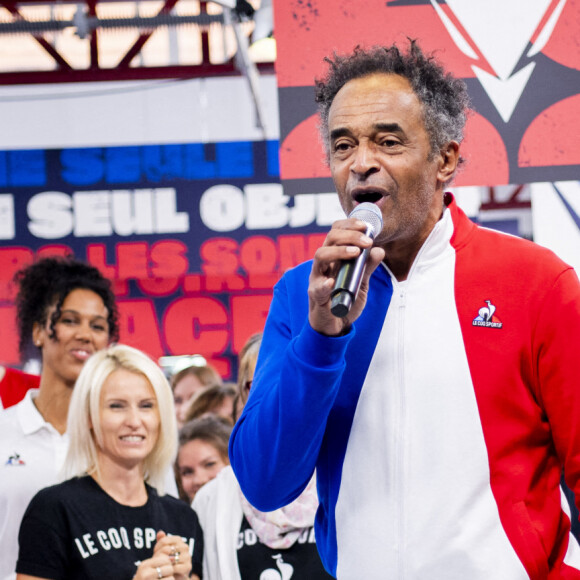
(486, 316)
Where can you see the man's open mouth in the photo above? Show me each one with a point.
(367, 196)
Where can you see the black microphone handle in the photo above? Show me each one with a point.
(347, 284)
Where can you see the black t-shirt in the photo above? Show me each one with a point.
(76, 531)
(257, 561)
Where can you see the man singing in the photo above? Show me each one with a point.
(440, 411)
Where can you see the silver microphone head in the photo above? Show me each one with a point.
(370, 214)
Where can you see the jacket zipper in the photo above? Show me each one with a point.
(400, 425)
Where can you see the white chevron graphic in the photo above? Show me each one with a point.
(505, 94)
(502, 31)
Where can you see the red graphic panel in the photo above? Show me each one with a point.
(564, 45)
(307, 31)
(506, 140)
(302, 152)
(482, 147)
(551, 138)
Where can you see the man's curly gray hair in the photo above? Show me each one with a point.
(444, 97)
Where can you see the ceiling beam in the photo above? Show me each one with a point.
(88, 25)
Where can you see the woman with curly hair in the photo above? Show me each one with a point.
(66, 308)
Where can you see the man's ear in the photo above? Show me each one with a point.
(448, 161)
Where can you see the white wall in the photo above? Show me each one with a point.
(135, 113)
(556, 215)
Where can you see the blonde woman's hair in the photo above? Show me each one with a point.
(84, 412)
(246, 365)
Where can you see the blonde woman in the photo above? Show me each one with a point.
(110, 519)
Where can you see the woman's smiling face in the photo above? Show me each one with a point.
(198, 462)
(129, 419)
(81, 329)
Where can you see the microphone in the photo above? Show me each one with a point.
(351, 272)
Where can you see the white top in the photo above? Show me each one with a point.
(220, 514)
(32, 452)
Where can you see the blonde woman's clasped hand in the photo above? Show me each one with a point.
(171, 560)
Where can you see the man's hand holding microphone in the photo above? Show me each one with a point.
(339, 280)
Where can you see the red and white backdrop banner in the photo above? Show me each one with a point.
(520, 60)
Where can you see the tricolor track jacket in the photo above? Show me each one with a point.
(439, 425)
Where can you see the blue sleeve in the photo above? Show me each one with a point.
(275, 444)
